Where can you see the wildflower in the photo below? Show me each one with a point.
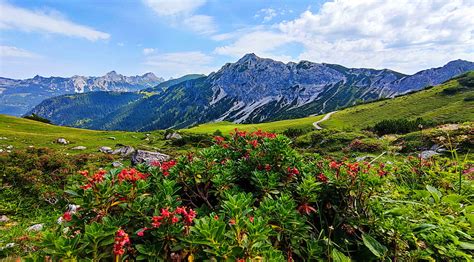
(322, 178)
(174, 220)
(219, 139)
(156, 221)
(141, 232)
(67, 216)
(292, 171)
(268, 167)
(254, 143)
(121, 239)
(306, 208)
(216, 217)
(232, 222)
(251, 219)
(165, 212)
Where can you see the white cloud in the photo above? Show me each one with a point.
(13, 17)
(201, 24)
(121, 44)
(12, 51)
(180, 63)
(405, 35)
(174, 7)
(182, 13)
(267, 13)
(148, 51)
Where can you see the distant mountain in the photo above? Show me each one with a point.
(254, 90)
(19, 96)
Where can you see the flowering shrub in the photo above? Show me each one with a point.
(249, 197)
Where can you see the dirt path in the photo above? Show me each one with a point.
(326, 117)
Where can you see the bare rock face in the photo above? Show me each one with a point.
(148, 157)
(173, 136)
(124, 151)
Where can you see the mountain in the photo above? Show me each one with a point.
(255, 89)
(19, 96)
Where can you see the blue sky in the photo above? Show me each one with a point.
(175, 37)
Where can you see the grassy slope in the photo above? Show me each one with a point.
(21, 133)
(429, 104)
(277, 126)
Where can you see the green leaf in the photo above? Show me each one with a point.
(374, 246)
(73, 193)
(434, 193)
(338, 256)
(466, 245)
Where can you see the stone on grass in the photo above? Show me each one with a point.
(173, 136)
(116, 164)
(4, 219)
(62, 141)
(79, 148)
(35, 228)
(148, 157)
(124, 151)
(427, 154)
(105, 149)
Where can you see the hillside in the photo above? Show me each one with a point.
(437, 103)
(253, 90)
(19, 96)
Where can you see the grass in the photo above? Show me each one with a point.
(430, 104)
(277, 126)
(22, 133)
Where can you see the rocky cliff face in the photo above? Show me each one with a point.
(19, 96)
(255, 89)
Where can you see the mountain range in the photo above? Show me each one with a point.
(251, 90)
(19, 96)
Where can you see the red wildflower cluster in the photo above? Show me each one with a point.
(165, 166)
(293, 171)
(352, 169)
(94, 179)
(187, 215)
(381, 170)
(130, 175)
(262, 134)
(254, 143)
(321, 177)
(67, 216)
(335, 165)
(121, 239)
(219, 139)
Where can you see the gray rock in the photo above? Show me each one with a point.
(10, 147)
(362, 158)
(62, 141)
(112, 138)
(116, 164)
(124, 151)
(427, 154)
(79, 148)
(142, 156)
(173, 136)
(35, 228)
(4, 219)
(105, 149)
(1, 150)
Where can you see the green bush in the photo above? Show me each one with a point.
(400, 126)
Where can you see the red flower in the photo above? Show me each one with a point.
(254, 143)
(232, 221)
(165, 212)
(216, 217)
(174, 220)
(292, 171)
(322, 178)
(156, 221)
(67, 216)
(141, 232)
(121, 239)
(268, 167)
(305, 208)
(219, 139)
(251, 219)
(334, 165)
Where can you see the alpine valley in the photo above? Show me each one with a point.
(251, 90)
(19, 96)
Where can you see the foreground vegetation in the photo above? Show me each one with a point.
(251, 197)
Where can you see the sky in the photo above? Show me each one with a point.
(172, 38)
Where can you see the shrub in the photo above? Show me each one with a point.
(400, 126)
(366, 145)
(38, 118)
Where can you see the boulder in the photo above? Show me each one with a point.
(35, 228)
(4, 219)
(124, 151)
(79, 148)
(173, 136)
(427, 154)
(148, 157)
(62, 141)
(105, 149)
(116, 164)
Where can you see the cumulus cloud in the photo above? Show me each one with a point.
(180, 63)
(182, 13)
(267, 13)
(405, 35)
(13, 17)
